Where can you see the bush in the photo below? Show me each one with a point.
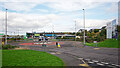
(89, 40)
(8, 46)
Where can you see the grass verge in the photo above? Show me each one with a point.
(110, 43)
(29, 58)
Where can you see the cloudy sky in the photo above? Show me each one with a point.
(55, 15)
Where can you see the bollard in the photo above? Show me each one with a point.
(58, 45)
(2, 43)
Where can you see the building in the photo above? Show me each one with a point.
(66, 35)
(119, 13)
(111, 29)
(45, 34)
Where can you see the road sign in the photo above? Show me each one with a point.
(95, 41)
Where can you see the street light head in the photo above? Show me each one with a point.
(83, 9)
(6, 9)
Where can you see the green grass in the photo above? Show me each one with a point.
(53, 39)
(29, 58)
(110, 43)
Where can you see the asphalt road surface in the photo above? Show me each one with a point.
(74, 54)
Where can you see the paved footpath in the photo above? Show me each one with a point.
(74, 54)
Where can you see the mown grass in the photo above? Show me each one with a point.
(110, 43)
(29, 58)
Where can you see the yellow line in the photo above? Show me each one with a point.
(96, 48)
(85, 64)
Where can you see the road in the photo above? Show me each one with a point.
(74, 54)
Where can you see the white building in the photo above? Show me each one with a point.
(111, 29)
(119, 13)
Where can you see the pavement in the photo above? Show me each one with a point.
(74, 54)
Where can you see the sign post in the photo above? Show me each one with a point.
(95, 43)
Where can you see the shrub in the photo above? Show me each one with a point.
(89, 40)
(8, 46)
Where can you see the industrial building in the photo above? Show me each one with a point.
(45, 34)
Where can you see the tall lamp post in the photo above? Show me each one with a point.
(75, 31)
(6, 27)
(84, 24)
(53, 31)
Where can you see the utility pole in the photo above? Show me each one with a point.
(75, 31)
(6, 27)
(84, 24)
(32, 34)
(53, 32)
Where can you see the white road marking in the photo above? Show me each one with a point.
(106, 63)
(103, 62)
(91, 62)
(112, 64)
(58, 53)
(80, 58)
(52, 53)
(116, 65)
(100, 64)
(94, 61)
(87, 59)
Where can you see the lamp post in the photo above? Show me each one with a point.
(6, 27)
(53, 32)
(84, 24)
(32, 34)
(75, 31)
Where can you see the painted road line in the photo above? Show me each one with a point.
(94, 61)
(87, 59)
(100, 64)
(53, 53)
(84, 63)
(106, 63)
(80, 58)
(58, 53)
(96, 48)
(116, 65)
(112, 64)
(103, 62)
(91, 62)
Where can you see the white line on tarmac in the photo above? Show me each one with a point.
(103, 62)
(100, 64)
(116, 65)
(53, 53)
(80, 58)
(91, 62)
(94, 61)
(87, 59)
(106, 63)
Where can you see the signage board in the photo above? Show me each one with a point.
(36, 34)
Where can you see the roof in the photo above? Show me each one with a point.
(65, 35)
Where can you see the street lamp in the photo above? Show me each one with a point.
(75, 30)
(32, 34)
(84, 24)
(6, 28)
(53, 32)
